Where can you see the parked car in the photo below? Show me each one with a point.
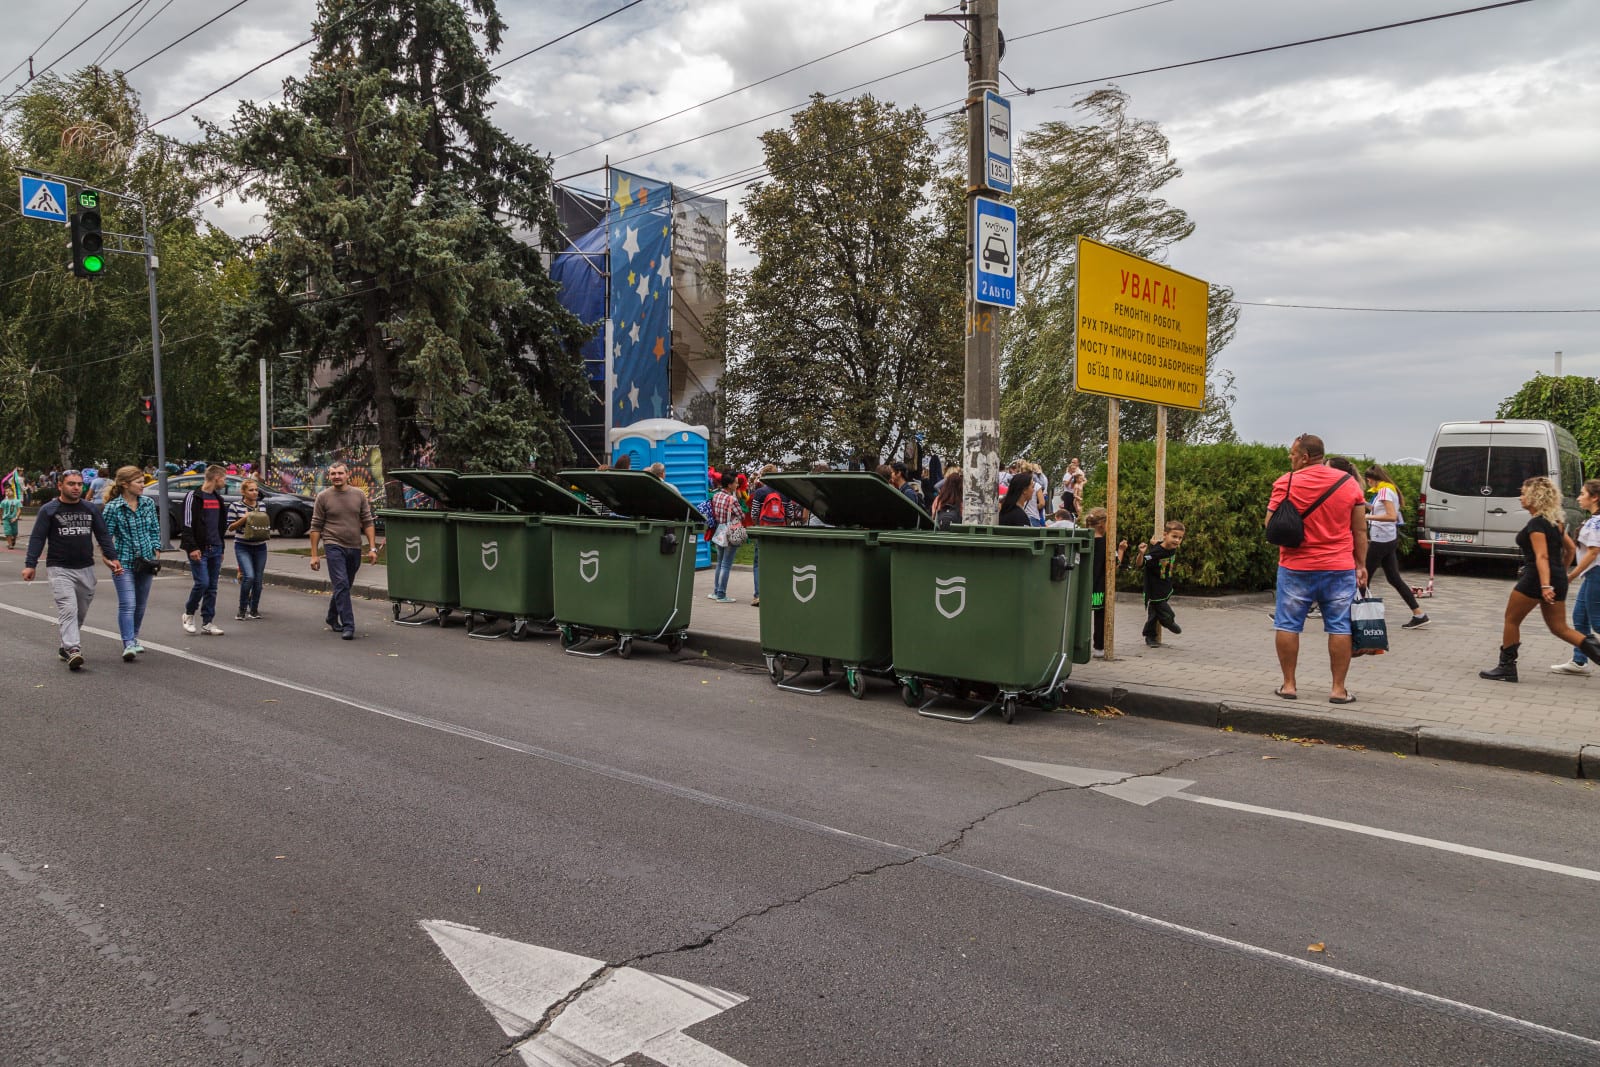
(1469, 501)
(290, 514)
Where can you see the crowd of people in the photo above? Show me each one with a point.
(123, 523)
(1342, 526)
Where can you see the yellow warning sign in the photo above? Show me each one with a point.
(1141, 329)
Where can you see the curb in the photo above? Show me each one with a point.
(1566, 759)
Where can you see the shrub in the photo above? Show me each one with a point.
(1220, 493)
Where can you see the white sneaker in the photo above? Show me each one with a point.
(211, 629)
(1569, 667)
(188, 625)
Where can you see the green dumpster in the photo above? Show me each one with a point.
(503, 557)
(422, 545)
(629, 575)
(827, 588)
(997, 607)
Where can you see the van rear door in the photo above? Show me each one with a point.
(1516, 455)
(1455, 483)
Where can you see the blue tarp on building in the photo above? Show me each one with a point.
(639, 221)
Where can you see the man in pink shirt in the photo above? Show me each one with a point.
(1326, 569)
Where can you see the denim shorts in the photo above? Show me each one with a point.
(1332, 591)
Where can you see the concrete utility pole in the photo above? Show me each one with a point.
(980, 413)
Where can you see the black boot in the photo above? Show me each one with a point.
(1506, 671)
(1589, 647)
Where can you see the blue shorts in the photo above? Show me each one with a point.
(1332, 591)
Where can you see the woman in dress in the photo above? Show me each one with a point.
(1542, 583)
(131, 518)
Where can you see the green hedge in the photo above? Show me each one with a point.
(1220, 493)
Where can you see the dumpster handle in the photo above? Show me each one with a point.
(677, 592)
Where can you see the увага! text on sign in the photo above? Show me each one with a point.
(1141, 329)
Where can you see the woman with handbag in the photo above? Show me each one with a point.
(250, 527)
(730, 534)
(131, 518)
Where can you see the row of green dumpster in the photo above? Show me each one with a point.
(997, 613)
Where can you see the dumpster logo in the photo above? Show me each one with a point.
(491, 554)
(589, 565)
(946, 590)
(806, 578)
(413, 549)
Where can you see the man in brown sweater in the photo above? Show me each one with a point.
(341, 516)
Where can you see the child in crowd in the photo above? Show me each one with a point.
(1061, 520)
(1096, 520)
(1158, 561)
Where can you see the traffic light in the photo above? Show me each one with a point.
(147, 408)
(88, 257)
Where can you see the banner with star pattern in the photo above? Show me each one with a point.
(639, 225)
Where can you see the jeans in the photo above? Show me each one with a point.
(204, 593)
(1586, 612)
(719, 579)
(1299, 590)
(252, 560)
(343, 563)
(73, 590)
(133, 593)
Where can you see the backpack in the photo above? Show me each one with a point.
(773, 511)
(1286, 526)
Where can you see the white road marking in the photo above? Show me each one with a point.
(1459, 1009)
(1146, 789)
(626, 1011)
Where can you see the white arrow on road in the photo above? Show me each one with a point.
(626, 1012)
(1147, 789)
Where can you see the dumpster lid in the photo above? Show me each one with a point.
(634, 494)
(446, 488)
(860, 499)
(526, 493)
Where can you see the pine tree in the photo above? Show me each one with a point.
(394, 251)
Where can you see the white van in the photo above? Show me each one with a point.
(1473, 479)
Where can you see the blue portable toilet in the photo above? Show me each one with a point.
(684, 450)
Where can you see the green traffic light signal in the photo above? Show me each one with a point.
(93, 264)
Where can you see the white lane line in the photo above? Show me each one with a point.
(1395, 835)
(1456, 1008)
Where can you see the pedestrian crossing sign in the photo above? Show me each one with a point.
(42, 199)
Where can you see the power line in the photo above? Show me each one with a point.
(129, 39)
(264, 63)
(1291, 44)
(751, 85)
(853, 88)
(1175, 66)
(556, 40)
(100, 58)
(40, 46)
(68, 52)
(1426, 311)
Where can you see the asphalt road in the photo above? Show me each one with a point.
(224, 853)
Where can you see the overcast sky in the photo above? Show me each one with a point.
(1450, 165)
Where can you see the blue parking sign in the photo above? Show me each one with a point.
(994, 253)
(43, 199)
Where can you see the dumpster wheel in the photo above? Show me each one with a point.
(856, 682)
(911, 692)
(1008, 709)
(519, 629)
(675, 643)
(569, 637)
(775, 669)
(625, 647)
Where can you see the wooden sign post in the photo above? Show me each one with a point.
(1141, 335)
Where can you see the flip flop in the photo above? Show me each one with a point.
(1286, 696)
(1351, 699)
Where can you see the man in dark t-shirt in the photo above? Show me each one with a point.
(65, 532)
(204, 520)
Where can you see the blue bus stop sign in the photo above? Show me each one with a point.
(994, 253)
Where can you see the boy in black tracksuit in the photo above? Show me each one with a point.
(1158, 562)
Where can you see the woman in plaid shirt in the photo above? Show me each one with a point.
(724, 510)
(131, 518)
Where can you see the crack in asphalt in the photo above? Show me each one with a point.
(604, 971)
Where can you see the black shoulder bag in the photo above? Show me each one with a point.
(1286, 526)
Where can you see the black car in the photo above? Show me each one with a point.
(290, 514)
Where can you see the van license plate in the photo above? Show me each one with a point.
(1456, 539)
